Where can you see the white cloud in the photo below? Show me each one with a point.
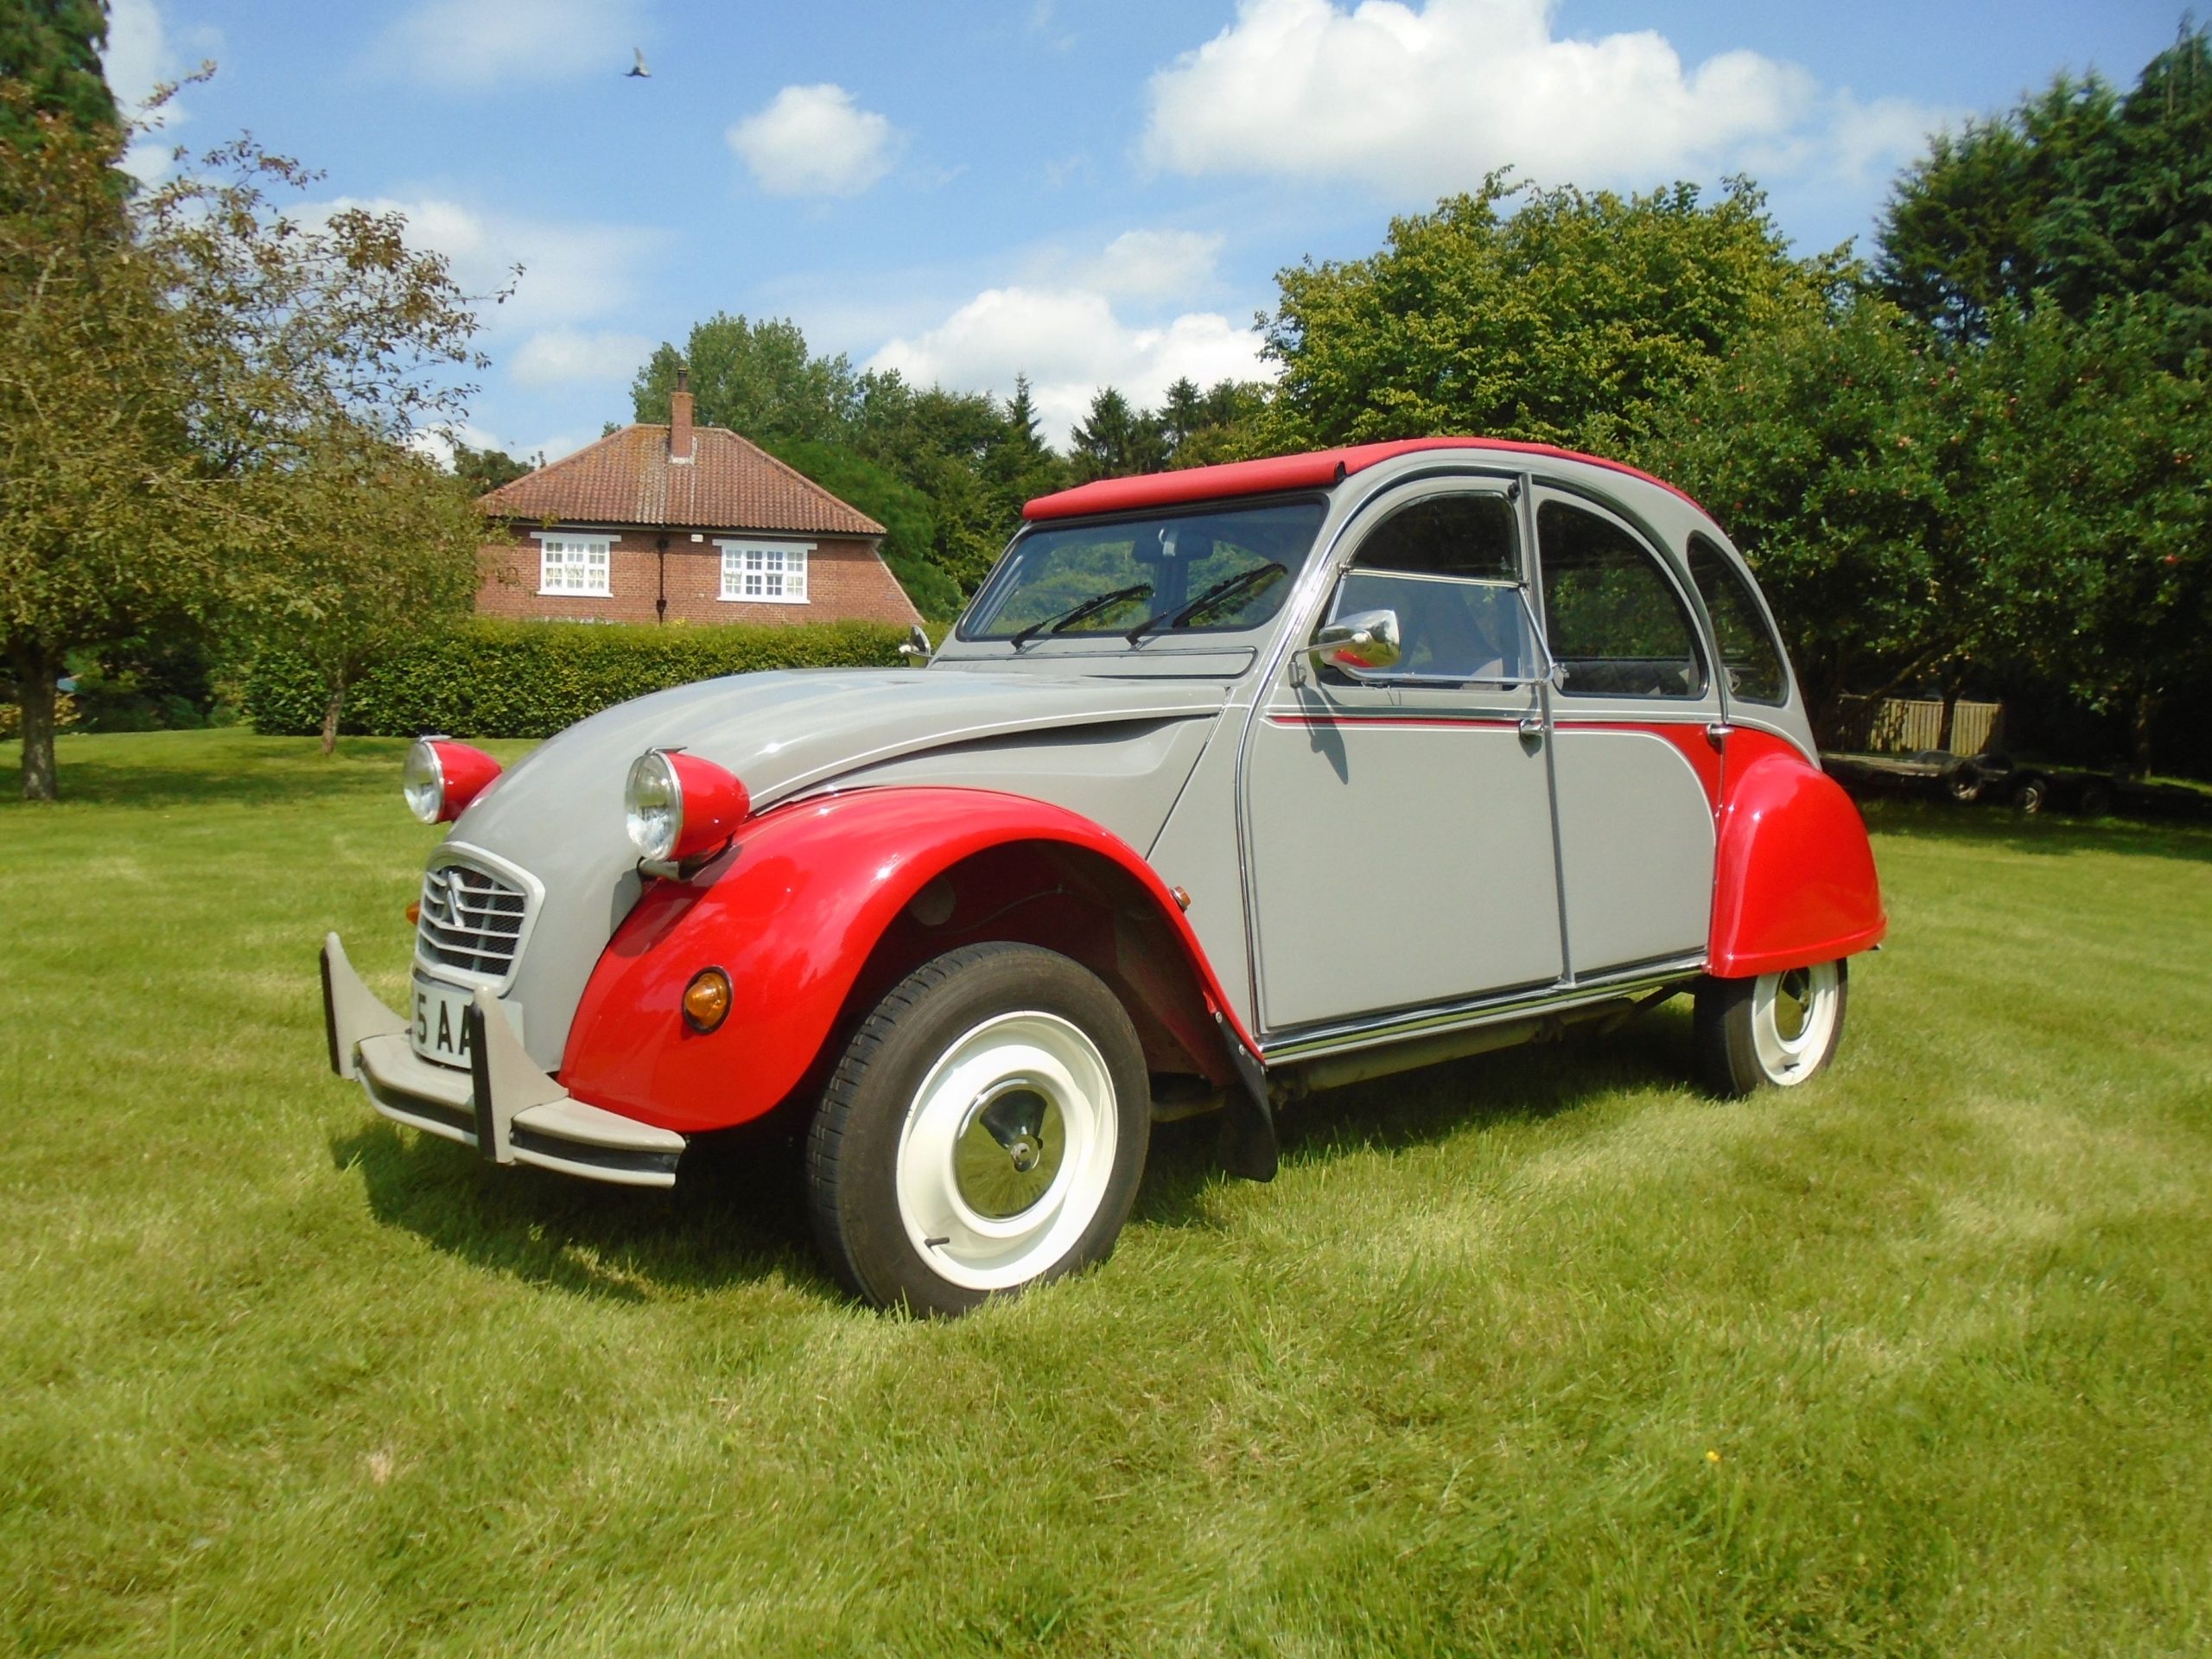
(814, 141)
(437, 441)
(1155, 264)
(572, 271)
(559, 357)
(1414, 102)
(1069, 342)
(477, 42)
(138, 57)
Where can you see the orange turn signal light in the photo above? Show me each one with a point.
(706, 1000)
(415, 912)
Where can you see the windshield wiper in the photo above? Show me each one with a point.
(1074, 614)
(1220, 590)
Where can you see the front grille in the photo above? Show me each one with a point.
(470, 920)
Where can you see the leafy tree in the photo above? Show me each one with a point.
(370, 543)
(169, 364)
(2096, 467)
(756, 379)
(1838, 453)
(1227, 422)
(51, 48)
(2077, 196)
(1570, 321)
(1914, 506)
(482, 471)
(910, 532)
(1116, 439)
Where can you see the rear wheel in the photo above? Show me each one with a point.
(1777, 1029)
(985, 1130)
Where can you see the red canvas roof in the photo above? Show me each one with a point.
(1315, 470)
(626, 478)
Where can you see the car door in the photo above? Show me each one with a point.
(1635, 755)
(1398, 821)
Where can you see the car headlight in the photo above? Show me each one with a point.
(440, 777)
(677, 806)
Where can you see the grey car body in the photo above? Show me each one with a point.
(1379, 866)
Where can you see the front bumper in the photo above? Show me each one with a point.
(503, 1106)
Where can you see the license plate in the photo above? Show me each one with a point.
(439, 1032)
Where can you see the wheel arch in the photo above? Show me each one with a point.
(825, 904)
(1794, 877)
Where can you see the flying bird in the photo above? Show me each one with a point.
(641, 72)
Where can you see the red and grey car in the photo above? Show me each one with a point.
(1230, 785)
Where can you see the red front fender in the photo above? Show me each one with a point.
(792, 914)
(1794, 880)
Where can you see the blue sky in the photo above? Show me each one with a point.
(1085, 191)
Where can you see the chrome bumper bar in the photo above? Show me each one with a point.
(503, 1106)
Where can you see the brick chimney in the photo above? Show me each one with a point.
(679, 417)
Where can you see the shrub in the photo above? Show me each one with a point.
(487, 678)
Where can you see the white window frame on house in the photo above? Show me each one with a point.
(570, 562)
(763, 572)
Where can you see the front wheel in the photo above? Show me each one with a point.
(1776, 1029)
(985, 1130)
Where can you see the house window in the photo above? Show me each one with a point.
(572, 564)
(765, 573)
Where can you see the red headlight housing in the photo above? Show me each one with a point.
(677, 806)
(441, 776)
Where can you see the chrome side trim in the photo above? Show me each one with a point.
(1284, 1047)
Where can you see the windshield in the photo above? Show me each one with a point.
(1201, 572)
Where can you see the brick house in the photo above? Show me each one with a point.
(684, 523)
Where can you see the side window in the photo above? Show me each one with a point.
(1749, 655)
(1611, 617)
(1447, 566)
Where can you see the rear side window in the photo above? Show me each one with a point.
(1749, 655)
(1614, 622)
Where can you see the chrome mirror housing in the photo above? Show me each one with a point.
(1366, 640)
(916, 650)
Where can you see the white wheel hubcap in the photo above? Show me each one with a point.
(1006, 1150)
(1793, 1021)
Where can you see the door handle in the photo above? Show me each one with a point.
(1532, 728)
(1717, 733)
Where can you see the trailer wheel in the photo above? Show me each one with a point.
(985, 1130)
(1775, 1030)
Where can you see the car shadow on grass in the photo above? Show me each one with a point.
(737, 1215)
(1479, 1095)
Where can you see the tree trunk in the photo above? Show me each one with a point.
(330, 712)
(35, 700)
(2138, 734)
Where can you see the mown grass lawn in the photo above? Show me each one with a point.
(1538, 1353)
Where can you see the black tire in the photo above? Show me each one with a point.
(2031, 795)
(2094, 802)
(1962, 782)
(1740, 1046)
(889, 1100)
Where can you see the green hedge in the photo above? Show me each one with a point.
(486, 678)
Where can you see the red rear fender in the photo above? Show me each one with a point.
(1794, 880)
(823, 898)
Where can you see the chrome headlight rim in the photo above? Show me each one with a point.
(422, 781)
(655, 826)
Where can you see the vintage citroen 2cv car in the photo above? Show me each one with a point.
(1231, 784)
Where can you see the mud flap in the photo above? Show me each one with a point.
(1247, 1147)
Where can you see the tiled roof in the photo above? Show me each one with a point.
(626, 478)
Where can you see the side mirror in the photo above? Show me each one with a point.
(1365, 640)
(916, 650)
